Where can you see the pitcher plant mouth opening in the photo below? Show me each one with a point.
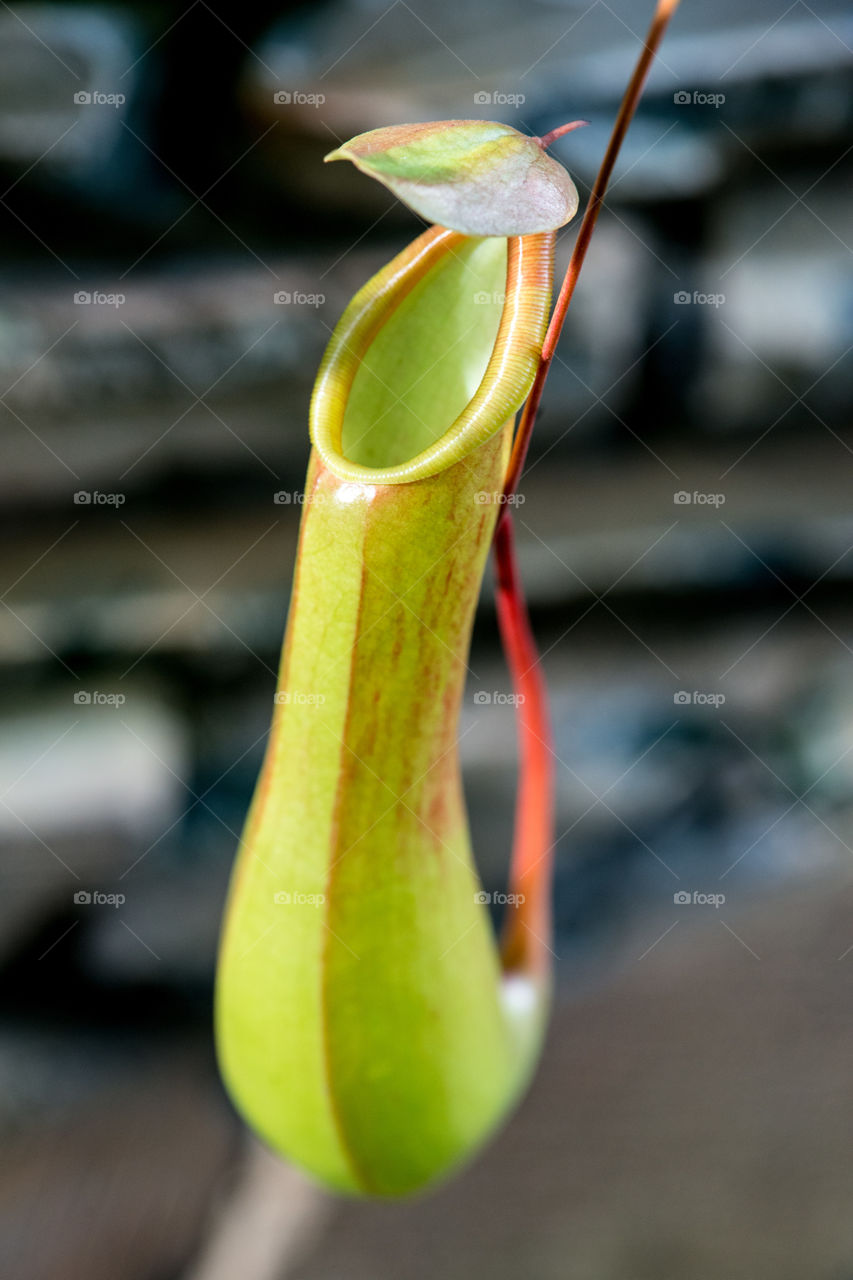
(450, 378)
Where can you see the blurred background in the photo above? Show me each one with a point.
(173, 257)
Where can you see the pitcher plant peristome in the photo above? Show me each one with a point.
(365, 1026)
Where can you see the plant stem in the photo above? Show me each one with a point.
(529, 925)
(527, 935)
(663, 13)
(552, 136)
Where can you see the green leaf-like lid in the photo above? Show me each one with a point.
(474, 176)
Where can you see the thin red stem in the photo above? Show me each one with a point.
(663, 13)
(528, 924)
(527, 933)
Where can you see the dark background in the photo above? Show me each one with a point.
(693, 1115)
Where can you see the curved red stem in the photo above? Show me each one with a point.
(527, 934)
(554, 134)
